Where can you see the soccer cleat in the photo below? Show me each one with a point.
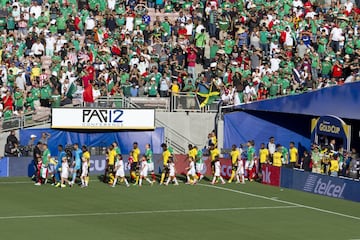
(37, 184)
(64, 186)
(127, 185)
(58, 185)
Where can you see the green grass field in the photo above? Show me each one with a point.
(250, 211)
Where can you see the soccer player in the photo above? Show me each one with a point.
(77, 163)
(61, 154)
(134, 164)
(217, 171)
(64, 172)
(264, 155)
(117, 148)
(199, 166)
(120, 171)
(172, 176)
(294, 155)
(191, 175)
(150, 162)
(84, 172)
(235, 156)
(43, 164)
(86, 156)
(111, 163)
(144, 171)
(277, 156)
(165, 156)
(214, 152)
(250, 161)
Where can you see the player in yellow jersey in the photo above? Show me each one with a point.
(334, 165)
(294, 155)
(277, 156)
(235, 156)
(214, 152)
(86, 156)
(264, 155)
(111, 163)
(134, 164)
(165, 157)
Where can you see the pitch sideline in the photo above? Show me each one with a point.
(281, 201)
(145, 212)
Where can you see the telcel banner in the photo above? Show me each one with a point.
(320, 184)
(84, 118)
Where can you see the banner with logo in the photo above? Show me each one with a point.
(320, 184)
(102, 139)
(90, 118)
(331, 126)
(271, 175)
(4, 167)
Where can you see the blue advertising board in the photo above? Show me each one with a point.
(4, 167)
(124, 139)
(320, 184)
(24, 166)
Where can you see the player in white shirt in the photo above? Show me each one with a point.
(191, 174)
(217, 172)
(84, 173)
(172, 176)
(120, 171)
(64, 172)
(144, 171)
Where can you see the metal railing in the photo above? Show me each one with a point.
(24, 121)
(175, 139)
(189, 102)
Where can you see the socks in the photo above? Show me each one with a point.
(162, 178)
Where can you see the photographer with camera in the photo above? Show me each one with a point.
(11, 149)
(45, 137)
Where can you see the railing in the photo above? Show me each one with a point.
(189, 102)
(24, 121)
(175, 139)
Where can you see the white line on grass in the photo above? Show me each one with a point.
(282, 201)
(145, 212)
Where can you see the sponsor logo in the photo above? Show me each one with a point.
(102, 117)
(266, 176)
(226, 171)
(317, 185)
(325, 127)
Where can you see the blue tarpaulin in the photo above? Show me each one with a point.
(239, 127)
(342, 101)
(98, 139)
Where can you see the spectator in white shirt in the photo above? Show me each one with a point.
(38, 48)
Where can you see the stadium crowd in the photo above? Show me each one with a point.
(54, 51)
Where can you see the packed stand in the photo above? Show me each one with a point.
(56, 53)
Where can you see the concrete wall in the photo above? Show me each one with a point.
(193, 126)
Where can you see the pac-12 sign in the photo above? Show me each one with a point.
(78, 118)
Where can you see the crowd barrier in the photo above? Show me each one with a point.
(311, 182)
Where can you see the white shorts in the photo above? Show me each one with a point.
(172, 173)
(240, 169)
(191, 172)
(199, 167)
(144, 173)
(249, 164)
(150, 167)
(120, 173)
(65, 174)
(84, 172)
